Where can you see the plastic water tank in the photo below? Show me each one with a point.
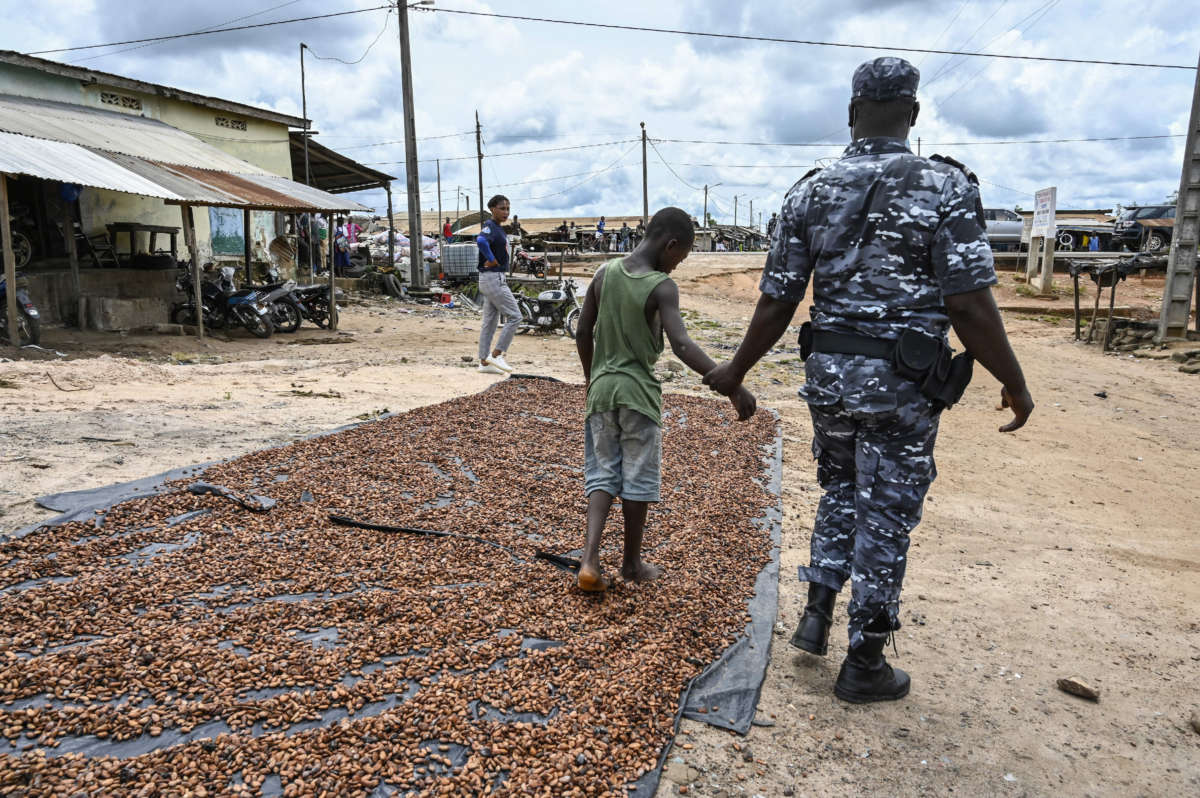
(462, 260)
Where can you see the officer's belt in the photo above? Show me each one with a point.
(847, 344)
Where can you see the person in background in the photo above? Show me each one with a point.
(600, 228)
(626, 232)
(446, 229)
(498, 299)
(516, 226)
(341, 249)
(352, 230)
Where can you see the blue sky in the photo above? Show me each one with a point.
(539, 86)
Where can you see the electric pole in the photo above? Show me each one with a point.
(645, 184)
(735, 199)
(479, 157)
(704, 221)
(1181, 263)
(441, 238)
(416, 260)
(307, 176)
(751, 213)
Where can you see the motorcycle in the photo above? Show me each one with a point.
(23, 233)
(29, 327)
(314, 303)
(280, 296)
(556, 309)
(224, 305)
(529, 263)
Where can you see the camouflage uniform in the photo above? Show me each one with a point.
(883, 235)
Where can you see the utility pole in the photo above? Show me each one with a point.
(704, 221)
(735, 199)
(645, 184)
(441, 238)
(307, 176)
(415, 260)
(1181, 265)
(479, 157)
(918, 146)
(751, 213)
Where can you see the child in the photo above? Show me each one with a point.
(630, 304)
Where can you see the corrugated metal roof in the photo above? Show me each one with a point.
(140, 156)
(114, 132)
(70, 163)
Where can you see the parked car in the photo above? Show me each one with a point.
(1003, 229)
(1145, 228)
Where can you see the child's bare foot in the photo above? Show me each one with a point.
(640, 571)
(590, 580)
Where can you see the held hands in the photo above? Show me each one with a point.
(745, 403)
(1022, 405)
(724, 379)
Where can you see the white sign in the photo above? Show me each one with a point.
(1043, 213)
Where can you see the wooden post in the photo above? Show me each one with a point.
(1044, 281)
(10, 265)
(246, 243)
(391, 236)
(189, 239)
(73, 257)
(333, 314)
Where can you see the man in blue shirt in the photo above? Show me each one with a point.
(497, 298)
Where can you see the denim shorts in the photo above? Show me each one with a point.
(623, 455)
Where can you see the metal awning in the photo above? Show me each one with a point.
(134, 155)
(70, 163)
(331, 171)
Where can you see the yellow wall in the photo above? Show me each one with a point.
(264, 144)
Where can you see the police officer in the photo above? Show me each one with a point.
(894, 245)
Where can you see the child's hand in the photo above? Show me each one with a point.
(744, 402)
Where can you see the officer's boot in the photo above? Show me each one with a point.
(865, 675)
(812, 635)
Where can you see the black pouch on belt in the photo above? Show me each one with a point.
(928, 361)
(805, 339)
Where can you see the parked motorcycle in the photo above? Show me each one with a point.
(556, 309)
(280, 296)
(28, 319)
(314, 303)
(224, 305)
(529, 263)
(24, 233)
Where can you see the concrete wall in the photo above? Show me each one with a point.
(121, 299)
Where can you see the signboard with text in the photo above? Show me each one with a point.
(1043, 213)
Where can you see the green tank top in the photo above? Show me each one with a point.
(626, 349)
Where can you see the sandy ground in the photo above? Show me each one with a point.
(1061, 550)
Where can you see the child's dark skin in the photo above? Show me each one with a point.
(661, 253)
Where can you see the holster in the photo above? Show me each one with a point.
(925, 359)
(929, 361)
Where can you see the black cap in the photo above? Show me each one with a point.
(885, 79)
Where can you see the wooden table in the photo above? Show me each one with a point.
(131, 229)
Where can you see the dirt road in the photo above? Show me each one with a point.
(1066, 549)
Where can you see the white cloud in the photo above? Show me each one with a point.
(538, 85)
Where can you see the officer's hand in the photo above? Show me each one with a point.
(745, 403)
(1021, 404)
(723, 379)
(491, 264)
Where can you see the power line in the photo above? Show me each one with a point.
(504, 154)
(813, 43)
(212, 32)
(609, 168)
(386, 19)
(671, 170)
(401, 141)
(995, 142)
(209, 28)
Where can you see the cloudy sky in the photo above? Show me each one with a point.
(541, 86)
